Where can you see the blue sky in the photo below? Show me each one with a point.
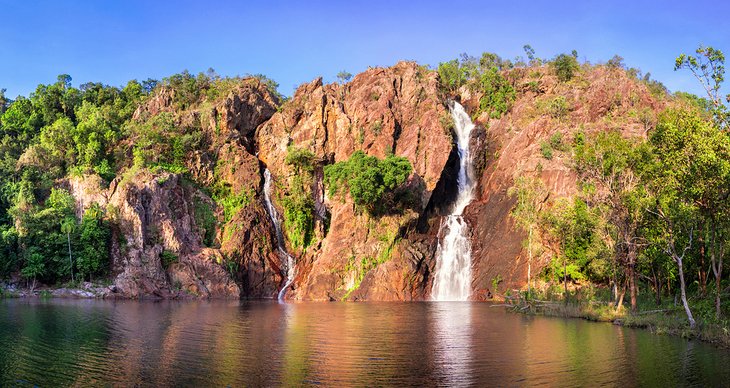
(294, 42)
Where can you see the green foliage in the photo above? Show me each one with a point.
(483, 75)
(8, 250)
(546, 150)
(343, 76)
(370, 182)
(301, 159)
(93, 256)
(708, 66)
(582, 250)
(206, 221)
(168, 258)
(565, 66)
(299, 214)
(232, 203)
(557, 107)
(616, 62)
(498, 93)
(451, 75)
(162, 143)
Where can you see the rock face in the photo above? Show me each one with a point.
(352, 256)
(395, 110)
(161, 215)
(600, 99)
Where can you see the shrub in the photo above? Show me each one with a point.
(556, 142)
(565, 67)
(167, 258)
(300, 158)
(369, 181)
(93, 259)
(298, 214)
(451, 75)
(205, 221)
(557, 108)
(498, 93)
(546, 150)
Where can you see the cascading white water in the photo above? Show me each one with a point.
(290, 265)
(452, 278)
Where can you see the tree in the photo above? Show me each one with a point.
(344, 76)
(690, 178)
(530, 52)
(709, 69)
(93, 258)
(34, 267)
(565, 66)
(67, 226)
(3, 101)
(609, 163)
(370, 182)
(529, 193)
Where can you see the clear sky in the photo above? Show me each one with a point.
(296, 41)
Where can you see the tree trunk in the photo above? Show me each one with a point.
(529, 262)
(620, 303)
(565, 278)
(632, 276)
(657, 286)
(70, 260)
(701, 272)
(683, 293)
(716, 262)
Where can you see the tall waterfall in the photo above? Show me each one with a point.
(290, 265)
(452, 278)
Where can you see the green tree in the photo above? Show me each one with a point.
(370, 182)
(344, 77)
(529, 194)
(93, 259)
(690, 179)
(68, 225)
(708, 66)
(565, 66)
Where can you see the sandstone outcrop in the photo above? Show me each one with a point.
(352, 256)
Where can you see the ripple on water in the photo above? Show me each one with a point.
(60, 343)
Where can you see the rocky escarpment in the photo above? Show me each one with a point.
(395, 110)
(599, 99)
(171, 239)
(207, 232)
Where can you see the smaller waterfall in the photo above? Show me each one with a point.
(452, 277)
(281, 247)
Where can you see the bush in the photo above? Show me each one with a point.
(557, 108)
(93, 258)
(565, 67)
(298, 215)
(498, 93)
(301, 159)
(369, 181)
(546, 150)
(167, 258)
(205, 221)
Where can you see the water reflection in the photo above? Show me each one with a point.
(452, 342)
(91, 343)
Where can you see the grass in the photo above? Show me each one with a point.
(593, 305)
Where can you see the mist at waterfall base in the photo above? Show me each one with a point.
(281, 247)
(452, 279)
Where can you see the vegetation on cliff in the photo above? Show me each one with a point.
(649, 219)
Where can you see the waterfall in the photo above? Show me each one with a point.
(452, 277)
(290, 265)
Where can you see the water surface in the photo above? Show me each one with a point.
(88, 343)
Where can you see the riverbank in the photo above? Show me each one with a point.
(661, 320)
(77, 290)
